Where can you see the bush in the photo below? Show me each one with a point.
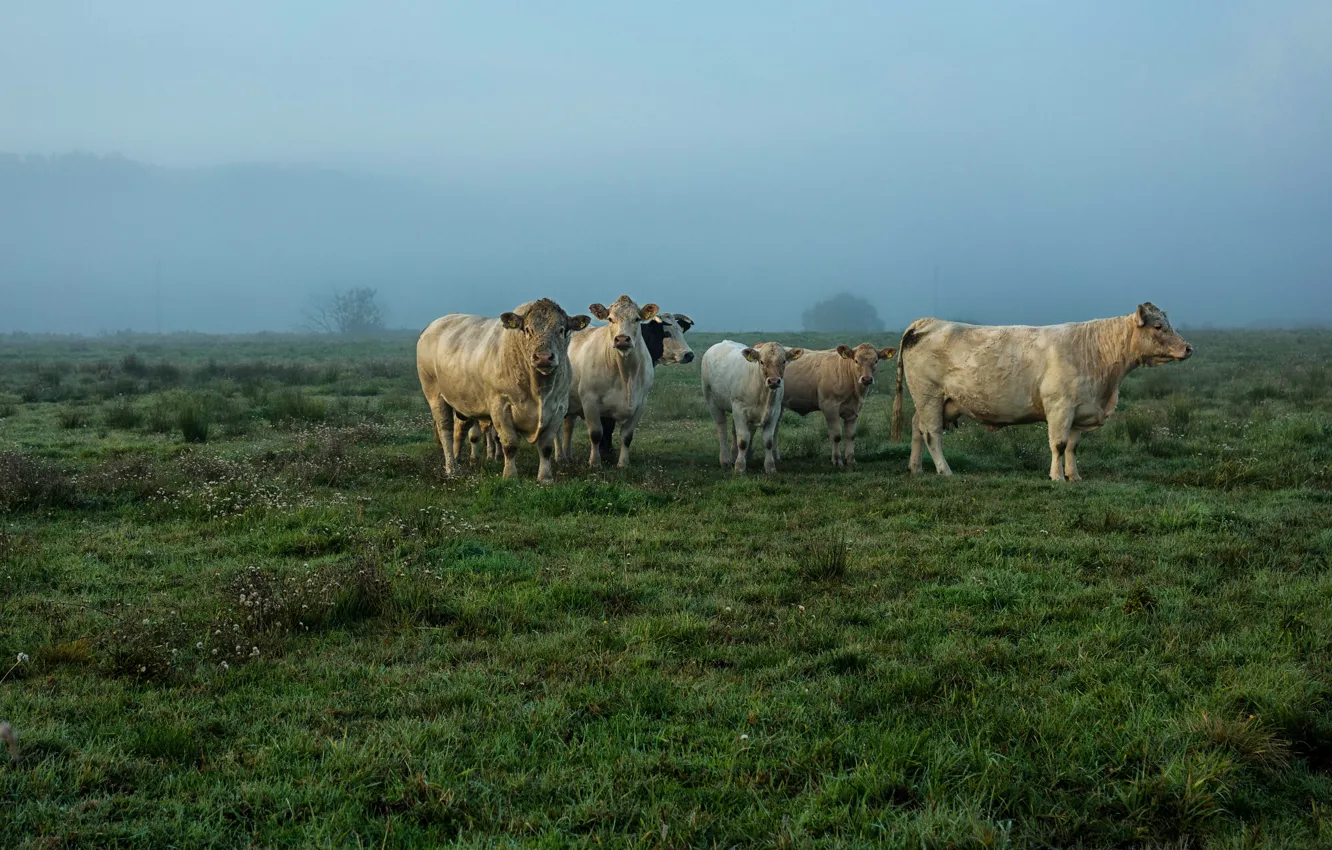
(193, 422)
(72, 417)
(27, 482)
(295, 406)
(123, 415)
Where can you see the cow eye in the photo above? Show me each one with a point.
(1158, 326)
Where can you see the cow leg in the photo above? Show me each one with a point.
(594, 435)
(849, 440)
(917, 441)
(769, 433)
(607, 436)
(719, 419)
(564, 445)
(460, 428)
(546, 449)
(777, 440)
(502, 420)
(443, 415)
(492, 442)
(834, 422)
(1060, 422)
(930, 421)
(626, 435)
(744, 437)
(1070, 463)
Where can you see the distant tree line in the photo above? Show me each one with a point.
(842, 312)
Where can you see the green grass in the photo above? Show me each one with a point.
(299, 633)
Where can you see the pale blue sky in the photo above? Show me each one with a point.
(1099, 153)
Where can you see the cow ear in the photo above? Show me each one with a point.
(845, 351)
(577, 323)
(512, 321)
(648, 311)
(684, 322)
(599, 310)
(1143, 311)
(751, 355)
(794, 354)
(887, 353)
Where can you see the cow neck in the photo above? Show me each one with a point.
(625, 365)
(770, 396)
(849, 370)
(1107, 344)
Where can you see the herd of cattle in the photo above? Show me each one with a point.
(532, 373)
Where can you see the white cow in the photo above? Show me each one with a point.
(1065, 375)
(612, 374)
(512, 371)
(746, 382)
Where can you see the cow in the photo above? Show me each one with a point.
(1065, 375)
(664, 336)
(612, 374)
(513, 371)
(834, 381)
(746, 382)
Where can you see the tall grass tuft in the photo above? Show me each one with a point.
(193, 422)
(825, 560)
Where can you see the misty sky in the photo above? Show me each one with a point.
(1053, 161)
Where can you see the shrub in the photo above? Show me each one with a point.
(123, 415)
(295, 406)
(72, 417)
(27, 482)
(193, 422)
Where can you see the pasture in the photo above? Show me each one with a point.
(253, 612)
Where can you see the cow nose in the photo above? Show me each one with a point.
(622, 341)
(1188, 351)
(544, 358)
(774, 383)
(688, 358)
(866, 380)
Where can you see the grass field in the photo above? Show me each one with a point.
(254, 613)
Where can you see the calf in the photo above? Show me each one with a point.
(1065, 375)
(834, 382)
(612, 374)
(512, 371)
(747, 382)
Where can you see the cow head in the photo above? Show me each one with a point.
(772, 359)
(545, 329)
(664, 336)
(1154, 341)
(866, 357)
(626, 319)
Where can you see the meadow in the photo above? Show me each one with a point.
(240, 605)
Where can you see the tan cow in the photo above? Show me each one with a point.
(1065, 375)
(664, 336)
(612, 374)
(834, 381)
(746, 382)
(513, 371)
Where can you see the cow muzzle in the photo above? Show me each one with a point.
(687, 357)
(622, 342)
(544, 362)
(1188, 352)
(774, 383)
(866, 380)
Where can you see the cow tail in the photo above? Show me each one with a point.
(907, 337)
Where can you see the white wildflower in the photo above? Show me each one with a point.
(23, 658)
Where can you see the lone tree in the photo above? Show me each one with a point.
(842, 312)
(352, 312)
